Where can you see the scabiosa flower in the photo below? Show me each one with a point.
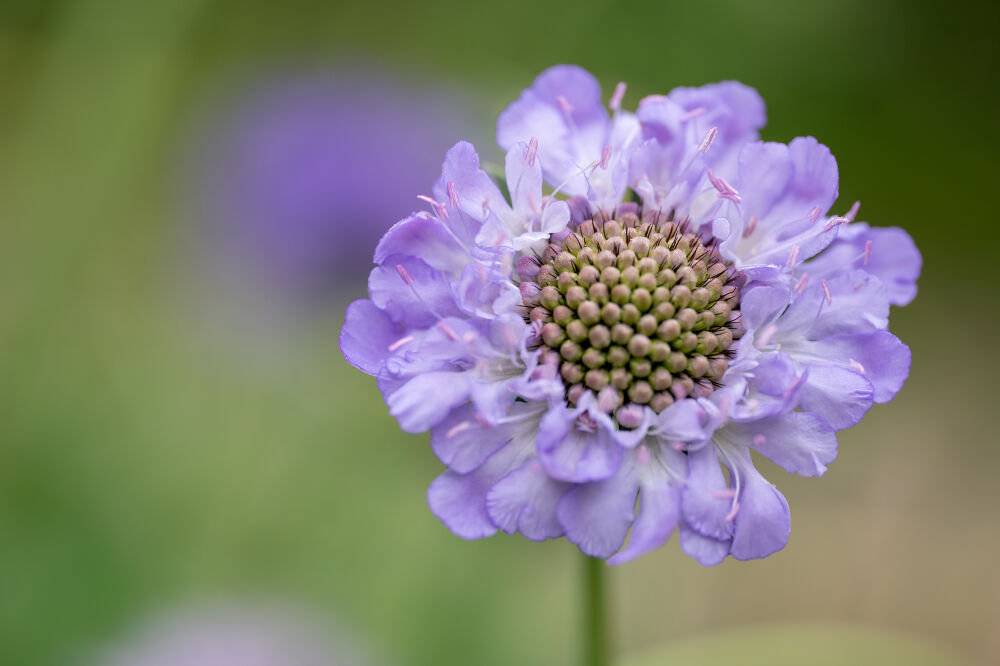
(299, 158)
(231, 635)
(680, 299)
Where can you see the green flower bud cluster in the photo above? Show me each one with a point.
(639, 313)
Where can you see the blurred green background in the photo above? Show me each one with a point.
(145, 464)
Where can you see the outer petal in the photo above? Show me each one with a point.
(463, 442)
(706, 550)
(761, 304)
(426, 399)
(459, 500)
(525, 501)
(463, 183)
(707, 500)
(571, 453)
(855, 302)
(437, 348)
(736, 110)
(686, 421)
(427, 237)
(485, 293)
(879, 356)
(774, 374)
(813, 182)
(659, 503)
(596, 516)
(764, 172)
(366, 336)
(763, 523)
(799, 442)
(775, 389)
(662, 119)
(419, 304)
(840, 396)
(784, 191)
(893, 258)
(563, 110)
(493, 397)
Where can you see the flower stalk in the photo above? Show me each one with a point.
(595, 624)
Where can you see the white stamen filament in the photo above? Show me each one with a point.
(529, 157)
(617, 96)
(709, 138)
(399, 343)
(853, 212)
(461, 427)
(793, 256)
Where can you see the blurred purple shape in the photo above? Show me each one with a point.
(232, 635)
(295, 179)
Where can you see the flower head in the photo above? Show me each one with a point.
(680, 301)
(230, 635)
(284, 171)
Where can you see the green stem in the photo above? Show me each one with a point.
(595, 639)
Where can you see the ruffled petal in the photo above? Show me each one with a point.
(783, 192)
(855, 302)
(426, 399)
(563, 111)
(706, 499)
(469, 193)
(485, 293)
(419, 299)
(879, 356)
(493, 397)
(367, 335)
(459, 500)
(839, 395)
(555, 217)
(421, 235)
(763, 523)
(659, 503)
(799, 442)
(438, 348)
(764, 172)
(893, 258)
(525, 501)
(761, 304)
(571, 452)
(812, 183)
(686, 421)
(596, 516)
(707, 551)
(462, 441)
(735, 110)
(534, 217)
(774, 389)
(773, 375)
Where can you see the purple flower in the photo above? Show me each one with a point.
(231, 635)
(289, 169)
(607, 366)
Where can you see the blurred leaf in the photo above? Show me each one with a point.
(800, 645)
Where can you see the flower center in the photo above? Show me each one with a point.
(640, 313)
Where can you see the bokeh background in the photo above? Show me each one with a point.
(177, 426)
